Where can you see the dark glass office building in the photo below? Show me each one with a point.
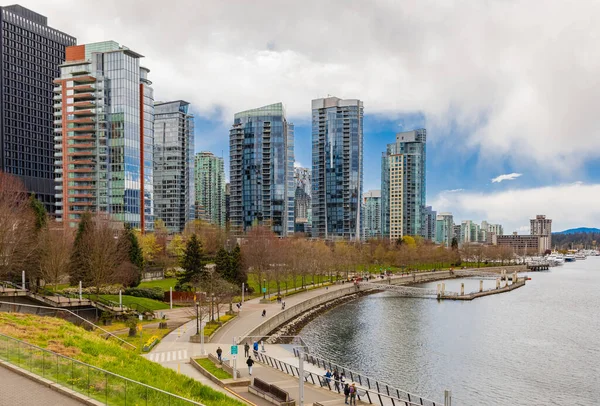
(30, 56)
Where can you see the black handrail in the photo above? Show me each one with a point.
(366, 395)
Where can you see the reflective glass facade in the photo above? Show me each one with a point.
(173, 164)
(444, 229)
(210, 188)
(337, 168)
(262, 169)
(104, 122)
(372, 214)
(30, 55)
(403, 186)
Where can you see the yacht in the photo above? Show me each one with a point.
(569, 258)
(580, 256)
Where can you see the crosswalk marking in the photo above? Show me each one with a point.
(168, 356)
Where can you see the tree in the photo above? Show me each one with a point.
(223, 263)
(41, 216)
(257, 252)
(150, 249)
(135, 254)
(193, 261)
(236, 268)
(56, 242)
(454, 244)
(108, 259)
(79, 262)
(17, 227)
(176, 248)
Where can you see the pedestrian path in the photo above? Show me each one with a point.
(168, 356)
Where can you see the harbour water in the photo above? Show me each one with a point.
(538, 345)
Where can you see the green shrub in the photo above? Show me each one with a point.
(148, 293)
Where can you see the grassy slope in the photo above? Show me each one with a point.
(128, 300)
(62, 337)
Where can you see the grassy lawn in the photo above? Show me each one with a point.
(212, 368)
(142, 301)
(67, 339)
(164, 284)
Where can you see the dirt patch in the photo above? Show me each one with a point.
(61, 349)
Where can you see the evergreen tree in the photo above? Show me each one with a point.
(193, 262)
(237, 270)
(41, 216)
(223, 263)
(79, 264)
(454, 244)
(134, 250)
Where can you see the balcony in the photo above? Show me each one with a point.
(83, 96)
(84, 88)
(57, 97)
(82, 128)
(84, 79)
(86, 103)
(57, 89)
(86, 112)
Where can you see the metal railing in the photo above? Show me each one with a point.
(101, 385)
(10, 307)
(367, 395)
(366, 381)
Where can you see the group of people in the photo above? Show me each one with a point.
(280, 301)
(339, 383)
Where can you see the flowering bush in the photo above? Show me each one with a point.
(104, 290)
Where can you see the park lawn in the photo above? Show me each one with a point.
(142, 301)
(212, 368)
(69, 340)
(164, 284)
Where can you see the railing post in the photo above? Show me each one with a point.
(447, 398)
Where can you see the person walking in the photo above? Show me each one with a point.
(250, 362)
(328, 378)
(346, 393)
(246, 350)
(352, 391)
(264, 313)
(336, 380)
(219, 353)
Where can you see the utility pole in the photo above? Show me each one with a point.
(301, 376)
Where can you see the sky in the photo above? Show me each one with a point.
(507, 90)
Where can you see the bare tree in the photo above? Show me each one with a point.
(107, 257)
(56, 242)
(17, 226)
(257, 252)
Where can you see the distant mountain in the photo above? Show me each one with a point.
(582, 230)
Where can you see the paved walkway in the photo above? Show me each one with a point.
(17, 390)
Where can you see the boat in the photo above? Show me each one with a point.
(580, 256)
(569, 258)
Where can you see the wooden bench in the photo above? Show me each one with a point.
(271, 393)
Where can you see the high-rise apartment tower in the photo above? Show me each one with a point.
(104, 140)
(403, 186)
(337, 168)
(210, 188)
(173, 164)
(261, 172)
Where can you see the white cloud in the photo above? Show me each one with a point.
(513, 76)
(298, 164)
(508, 176)
(571, 205)
(453, 191)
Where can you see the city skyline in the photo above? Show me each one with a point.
(476, 148)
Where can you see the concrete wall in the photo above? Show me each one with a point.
(293, 311)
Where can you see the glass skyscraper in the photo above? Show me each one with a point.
(173, 164)
(444, 230)
(262, 170)
(337, 168)
(210, 188)
(372, 214)
(31, 53)
(104, 123)
(302, 202)
(403, 186)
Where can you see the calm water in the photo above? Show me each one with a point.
(538, 345)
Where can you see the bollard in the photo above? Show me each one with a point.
(515, 277)
(506, 282)
(438, 290)
(462, 289)
(481, 286)
(443, 288)
(447, 398)
(498, 283)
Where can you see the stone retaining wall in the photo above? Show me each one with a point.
(293, 311)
